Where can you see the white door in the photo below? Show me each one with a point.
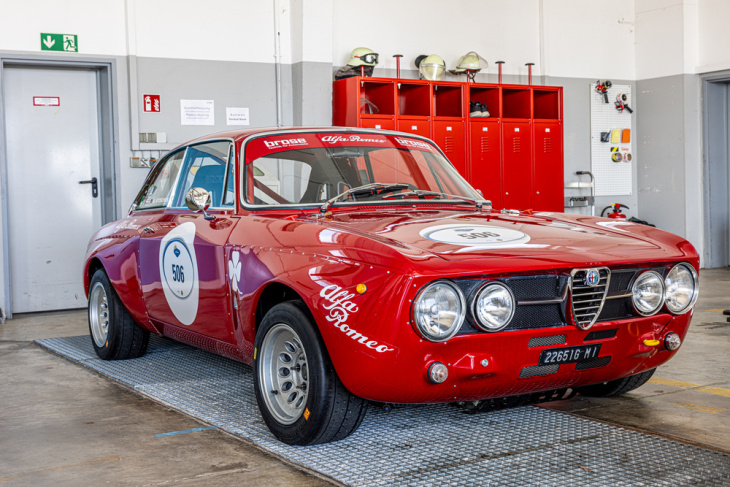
(52, 134)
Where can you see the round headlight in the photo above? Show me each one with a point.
(648, 293)
(438, 311)
(682, 286)
(494, 307)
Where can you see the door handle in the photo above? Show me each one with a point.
(94, 186)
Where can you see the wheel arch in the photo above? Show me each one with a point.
(275, 293)
(91, 268)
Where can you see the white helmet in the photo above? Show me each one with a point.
(363, 56)
(470, 64)
(431, 67)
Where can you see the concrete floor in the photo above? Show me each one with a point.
(61, 424)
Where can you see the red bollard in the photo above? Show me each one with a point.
(397, 64)
(500, 63)
(529, 72)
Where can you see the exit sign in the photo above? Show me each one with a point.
(59, 42)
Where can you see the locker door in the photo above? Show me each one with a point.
(549, 180)
(378, 123)
(412, 126)
(517, 165)
(485, 160)
(450, 137)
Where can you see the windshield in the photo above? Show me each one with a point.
(311, 168)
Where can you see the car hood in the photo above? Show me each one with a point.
(455, 236)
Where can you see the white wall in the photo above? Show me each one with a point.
(565, 38)
(713, 38)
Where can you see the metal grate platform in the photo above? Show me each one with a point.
(417, 445)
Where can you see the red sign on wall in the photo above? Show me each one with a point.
(46, 101)
(151, 103)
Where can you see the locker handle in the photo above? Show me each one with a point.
(94, 186)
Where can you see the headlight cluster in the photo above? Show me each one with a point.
(677, 291)
(439, 309)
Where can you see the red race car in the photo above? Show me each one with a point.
(349, 265)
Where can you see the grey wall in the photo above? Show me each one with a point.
(312, 93)
(229, 84)
(668, 134)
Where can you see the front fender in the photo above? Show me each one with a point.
(119, 257)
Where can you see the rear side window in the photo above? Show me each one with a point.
(156, 192)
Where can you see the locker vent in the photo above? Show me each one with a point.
(547, 145)
(448, 144)
(485, 145)
(516, 145)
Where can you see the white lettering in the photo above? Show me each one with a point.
(352, 138)
(340, 308)
(413, 143)
(271, 144)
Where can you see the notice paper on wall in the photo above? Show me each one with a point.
(197, 112)
(236, 116)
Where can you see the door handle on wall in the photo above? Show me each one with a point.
(94, 186)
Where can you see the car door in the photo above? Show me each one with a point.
(182, 262)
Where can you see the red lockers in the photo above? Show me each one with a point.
(485, 155)
(514, 155)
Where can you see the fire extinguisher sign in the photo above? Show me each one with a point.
(151, 103)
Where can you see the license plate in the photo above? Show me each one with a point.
(568, 355)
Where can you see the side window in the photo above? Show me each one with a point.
(229, 198)
(156, 192)
(205, 167)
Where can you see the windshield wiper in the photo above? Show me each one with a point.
(421, 193)
(360, 190)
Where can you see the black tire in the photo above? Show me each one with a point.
(310, 405)
(616, 387)
(114, 334)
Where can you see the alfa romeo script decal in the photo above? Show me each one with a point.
(179, 272)
(483, 236)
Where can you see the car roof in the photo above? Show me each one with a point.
(239, 135)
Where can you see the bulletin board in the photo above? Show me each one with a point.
(612, 140)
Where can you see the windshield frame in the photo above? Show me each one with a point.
(243, 173)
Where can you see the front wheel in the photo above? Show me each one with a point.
(114, 333)
(298, 392)
(618, 386)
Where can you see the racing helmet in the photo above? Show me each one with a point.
(471, 61)
(431, 67)
(362, 56)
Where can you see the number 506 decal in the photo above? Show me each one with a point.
(179, 272)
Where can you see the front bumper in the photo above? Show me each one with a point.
(488, 365)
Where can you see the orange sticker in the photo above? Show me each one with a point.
(306, 414)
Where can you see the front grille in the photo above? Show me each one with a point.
(587, 300)
(598, 362)
(545, 341)
(537, 370)
(601, 334)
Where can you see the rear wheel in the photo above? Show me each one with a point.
(616, 387)
(114, 333)
(298, 392)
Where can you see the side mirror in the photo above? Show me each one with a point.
(198, 200)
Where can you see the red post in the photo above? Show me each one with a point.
(500, 63)
(529, 72)
(362, 70)
(397, 64)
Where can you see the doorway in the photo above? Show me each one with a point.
(58, 184)
(717, 172)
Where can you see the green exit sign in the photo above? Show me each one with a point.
(59, 42)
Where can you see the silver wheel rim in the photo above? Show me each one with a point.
(283, 374)
(99, 314)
